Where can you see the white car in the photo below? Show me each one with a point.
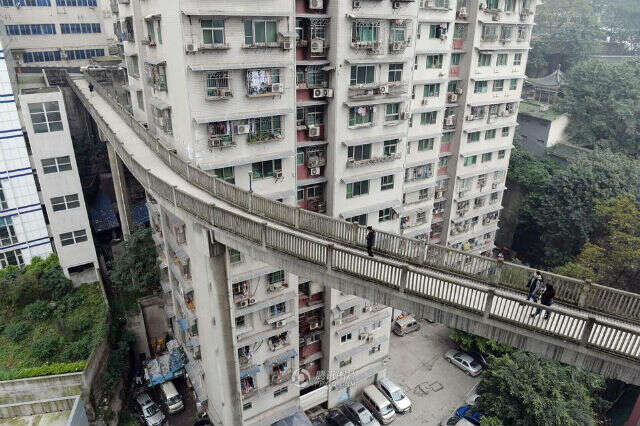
(359, 414)
(394, 394)
(463, 361)
(149, 410)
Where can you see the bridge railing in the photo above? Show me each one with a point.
(589, 297)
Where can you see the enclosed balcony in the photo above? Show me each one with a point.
(264, 82)
(312, 38)
(220, 135)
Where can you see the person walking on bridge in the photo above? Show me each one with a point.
(546, 299)
(371, 240)
(534, 286)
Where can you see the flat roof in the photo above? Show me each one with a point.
(534, 109)
(59, 418)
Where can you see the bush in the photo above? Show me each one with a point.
(55, 284)
(37, 311)
(17, 331)
(80, 349)
(45, 348)
(43, 370)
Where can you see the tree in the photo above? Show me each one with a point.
(621, 21)
(557, 220)
(603, 101)
(491, 421)
(566, 31)
(612, 257)
(134, 269)
(470, 342)
(525, 390)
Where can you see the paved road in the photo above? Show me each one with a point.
(434, 386)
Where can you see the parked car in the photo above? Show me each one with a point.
(336, 418)
(149, 410)
(378, 404)
(463, 416)
(393, 393)
(359, 414)
(463, 361)
(479, 358)
(405, 325)
(171, 397)
(471, 399)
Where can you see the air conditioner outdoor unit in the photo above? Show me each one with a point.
(321, 207)
(271, 288)
(449, 121)
(243, 129)
(369, 339)
(277, 88)
(362, 336)
(314, 171)
(314, 325)
(279, 324)
(494, 185)
(396, 4)
(192, 47)
(277, 174)
(458, 90)
(316, 4)
(313, 161)
(317, 46)
(337, 321)
(453, 97)
(243, 304)
(463, 12)
(495, 17)
(356, 4)
(396, 45)
(252, 301)
(425, 101)
(314, 131)
(328, 93)
(319, 93)
(383, 89)
(287, 45)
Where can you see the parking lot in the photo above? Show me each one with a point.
(434, 386)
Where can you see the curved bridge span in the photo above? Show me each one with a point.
(592, 326)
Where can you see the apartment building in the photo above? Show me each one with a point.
(23, 230)
(56, 33)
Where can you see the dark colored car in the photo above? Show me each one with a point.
(336, 418)
(467, 412)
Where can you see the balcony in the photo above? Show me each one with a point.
(279, 378)
(442, 171)
(458, 44)
(454, 71)
(351, 163)
(399, 46)
(443, 5)
(275, 89)
(220, 141)
(218, 93)
(373, 47)
(264, 137)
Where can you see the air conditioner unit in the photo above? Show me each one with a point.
(319, 93)
(494, 185)
(317, 46)
(316, 4)
(314, 131)
(271, 288)
(314, 325)
(243, 129)
(396, 4)
(397, 45)
(471, 117)
(463, 12)
(192, 47)
(405, 115)
(356, 4)
(321, 207)
(252, 301)
(369, 339)
(448, 121)
(313, 161)
(277, 88)
(328, 93)
(279, 324)
(337, 321)
(458, 91)
(453, 97)
(425, 101)
(243, 304)
(287, 45)
(495, 17)
(277, 174)
(314, 171)
(362, 336)
(383, 89)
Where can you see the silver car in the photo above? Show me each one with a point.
(149, 410)
(359, 414)
(464, 362)
(394, 394)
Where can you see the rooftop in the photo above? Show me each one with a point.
(538, 110)
(60, 418)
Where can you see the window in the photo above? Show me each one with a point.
(45, 117)
(505, 131)
(83, 28)
(316, 76)
(362, 74)
(428, 117)
(7, 233)
(486, 157)
(417, 173)
(260, 32)
(431, 90)
(490, 134)
(395, 72)
(473, 137)
(509, 5)
(13, 257)
(357, 188)
(390, 147)
(501, 154)
(226, 174)
(481, 87)
(241, 321)
(423, 194)
(217, 82)
(470, 161)
(275, 277)
(385, 215)
(246, 406)
(443, 162)
(56, 164)
(460, 31)
(484, 60)
(517, 59)
(213, 31)
(300, 195)
(314, 191)
(151, 31)
(425, 144)
(359, 152)
(489, 32)
(364, 32)
(260, 81)
(437, 30)
(32, 29)
(265, 169)
(359, 116)
(498, 85)
(277, 309)
(501, 60)
(392, 112)
(455, 59)
(132, 64)
(280, 391)
(386, 182)
(360, 219)
(346, 337)
(90, 53)
(140, 98)
(446, 137)
(513, 84)
(434, 61)
(74, 237)
(3, 200)
(66, 202)
(234, 256)
(42, 56)
(506, 33)
(398, 32)
(492, 4)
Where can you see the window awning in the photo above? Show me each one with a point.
(352, 104)
(221, 66)
(154, 61)
(372, 175)
(497, 77)
(358, 61)
(240, 161)
(486, 150)
(159, 103)
(259, 12)
(152, 17)
(351, 352)
(341, 307)
(490, 126)
(373, 139)
(242, 115)
(494, 101)
(371, 208)
(249, 371)
(424, 136)
(291, 353)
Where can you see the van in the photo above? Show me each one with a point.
(378, 404)
(394, 394)
(171, 397)
(405, 325)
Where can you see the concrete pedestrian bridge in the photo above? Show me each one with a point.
(591, 326)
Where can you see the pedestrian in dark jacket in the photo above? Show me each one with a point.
(546, 299)
(371, 240)
(534, 285)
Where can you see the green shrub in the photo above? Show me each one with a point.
(55, 284)
(37, 311)
(17, 331)
(80, 349)
(45, 348)
(43, 370)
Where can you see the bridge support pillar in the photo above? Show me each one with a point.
(120, 188)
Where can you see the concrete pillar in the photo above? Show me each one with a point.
(122, 194)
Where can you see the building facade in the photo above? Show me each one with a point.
(394, 114)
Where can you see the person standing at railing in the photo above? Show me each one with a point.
(534, 286)
(371, 240)
(91, 88)
(546, 299)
